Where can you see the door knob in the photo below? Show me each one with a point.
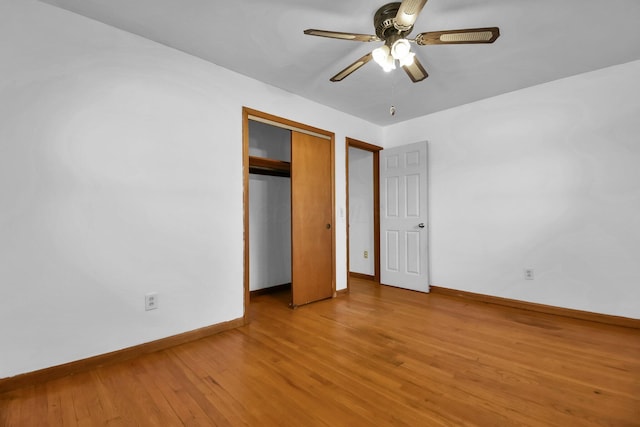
(328, 226)
(421, 225)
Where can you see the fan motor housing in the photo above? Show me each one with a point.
(383, 21)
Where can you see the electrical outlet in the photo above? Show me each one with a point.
(366, 254)
(151, 301)
(528, 274)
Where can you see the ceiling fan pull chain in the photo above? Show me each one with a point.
(392, 109)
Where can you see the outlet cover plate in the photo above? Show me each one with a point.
(151, 301)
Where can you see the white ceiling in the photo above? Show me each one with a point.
(541, 41)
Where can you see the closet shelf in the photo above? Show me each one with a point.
(263, 166)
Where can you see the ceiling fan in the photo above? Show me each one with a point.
(393, 22)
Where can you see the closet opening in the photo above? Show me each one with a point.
(269, 209)
(289, 209)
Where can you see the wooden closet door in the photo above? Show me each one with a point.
(311, 219)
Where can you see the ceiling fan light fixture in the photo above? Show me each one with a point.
(407, 60)
(400, 49)
(389, 64)
(381, 54)
(393, 23)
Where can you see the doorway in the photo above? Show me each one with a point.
(363, 210)
(401, 232)
(306, 166)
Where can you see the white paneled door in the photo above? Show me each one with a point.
(403, 217)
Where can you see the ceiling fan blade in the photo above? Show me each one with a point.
(415, 71)
(342, 36)
(408, 13)
(467, 36)
(351, 68)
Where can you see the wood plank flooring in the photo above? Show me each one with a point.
(376, 357)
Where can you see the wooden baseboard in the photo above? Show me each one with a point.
(270, 290)
(541, 308)
(55, 372)
(342, 292)
(361, 276)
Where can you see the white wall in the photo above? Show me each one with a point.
(121, 174)
(545, 178)
(270, 231)
(361, 212)
(269, 141)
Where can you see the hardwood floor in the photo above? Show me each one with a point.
(378, 356)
